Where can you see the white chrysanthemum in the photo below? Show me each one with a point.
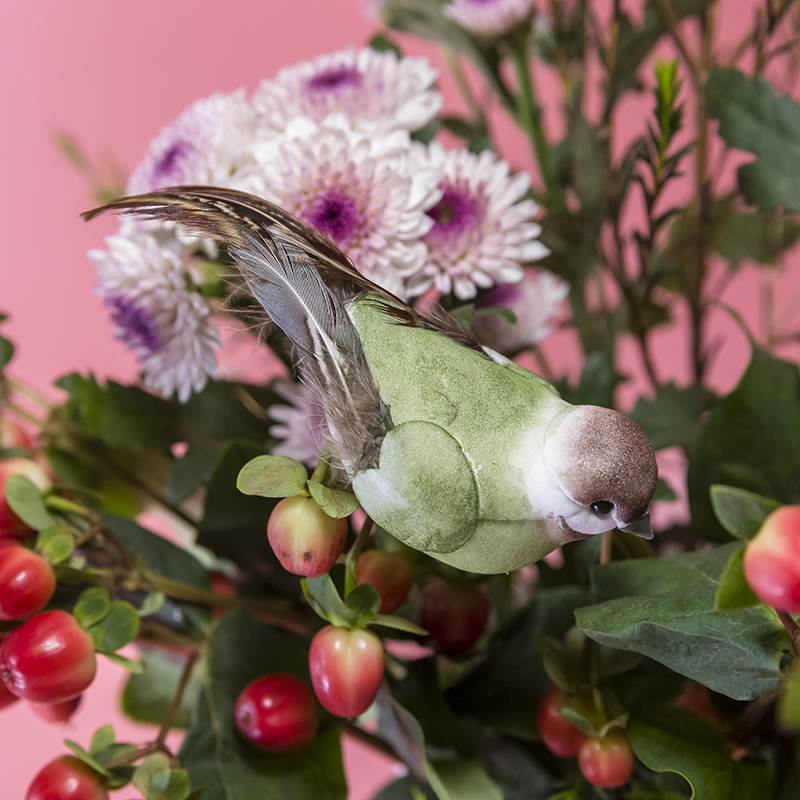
(375, 90)
(301, 424)
(535, 301)
(355, 187)
(489, 17)
(482, 228)
(206, 145)
(157, 314)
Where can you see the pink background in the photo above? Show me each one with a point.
(112, 75)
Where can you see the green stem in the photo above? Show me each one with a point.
(174, 707)
(529, 114)
(320, 471)
(351, 560)
(792, 628)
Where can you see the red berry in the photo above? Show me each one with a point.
(559, 735)
(772, 560)
(48, 659)
(26, 582)
(607, 762)
(305, 539)
(277, 713)
(390, 574)
(11, 526)
(56, 712)
(346, 669)
(455, 614)
(67, 778)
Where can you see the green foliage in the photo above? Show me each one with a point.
(240, 650)
(26, 502)
(751, 441)
(273, 476)
(740, 512)
(664, 609)
(753, 118)
(674, 417)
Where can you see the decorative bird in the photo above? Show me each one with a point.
(450, 446)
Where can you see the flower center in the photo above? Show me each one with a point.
(456, 214)
(138, 328)
(335, 78)
(334, 213)
(168, 163)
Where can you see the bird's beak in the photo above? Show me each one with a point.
(639, 527)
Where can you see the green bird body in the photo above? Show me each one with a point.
(451, 447)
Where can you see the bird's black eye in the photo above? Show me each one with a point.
(602, 507)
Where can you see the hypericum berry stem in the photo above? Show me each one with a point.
(174, 707)
(351, 560)
(792, 628)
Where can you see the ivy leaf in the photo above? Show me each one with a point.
(734, 591)
(740, 512)
(674, 416)
(753, 118)
(272, 476)
(664, 609)
(703, 762)
(751, 441)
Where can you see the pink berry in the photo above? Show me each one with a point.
(390, 574)
(304, 538)
(454, 614)
(607, 762)
(346, 669)
(560, 736)
(66, 778)
(27, 582)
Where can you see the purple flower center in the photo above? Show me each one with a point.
(137, 326)
(335, 78)
(334, 212)
(168, 163)
(458, 213)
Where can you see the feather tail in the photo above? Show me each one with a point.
(300, 279)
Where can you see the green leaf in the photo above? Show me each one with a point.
(272, 476)
(151, 604)
(166, 559)
(6, 351)
(704, 764)
(147, 696)
(240, 650)
(357, 610)
(93, 604)
(464, 780)
(117, 628)
(56, 543)
(103, 738)
(155, 779)
(398, 624)
(788, 707)
(751, 441)
(334, 502)
(740, 512)
(597, 384)
(734, 591)
(753, 118)
(25, 499)
(134, 667)
(664, 609)
(674, 417)
(86, 757)
(383, 43)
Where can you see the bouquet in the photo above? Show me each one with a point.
(355, 545)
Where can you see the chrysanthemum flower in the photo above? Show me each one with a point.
(156, 313)
(489, 18)
(206, 144)
(374, 90)
(535, 301)
(356, 187)
(482, 230)
(301, 425)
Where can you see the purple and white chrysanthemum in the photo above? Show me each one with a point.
(356, 187)
(156, 312)
(489, 18)
(482, 228)
(301, 425)
(535, 301)
(207, 144)
(375, 90)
